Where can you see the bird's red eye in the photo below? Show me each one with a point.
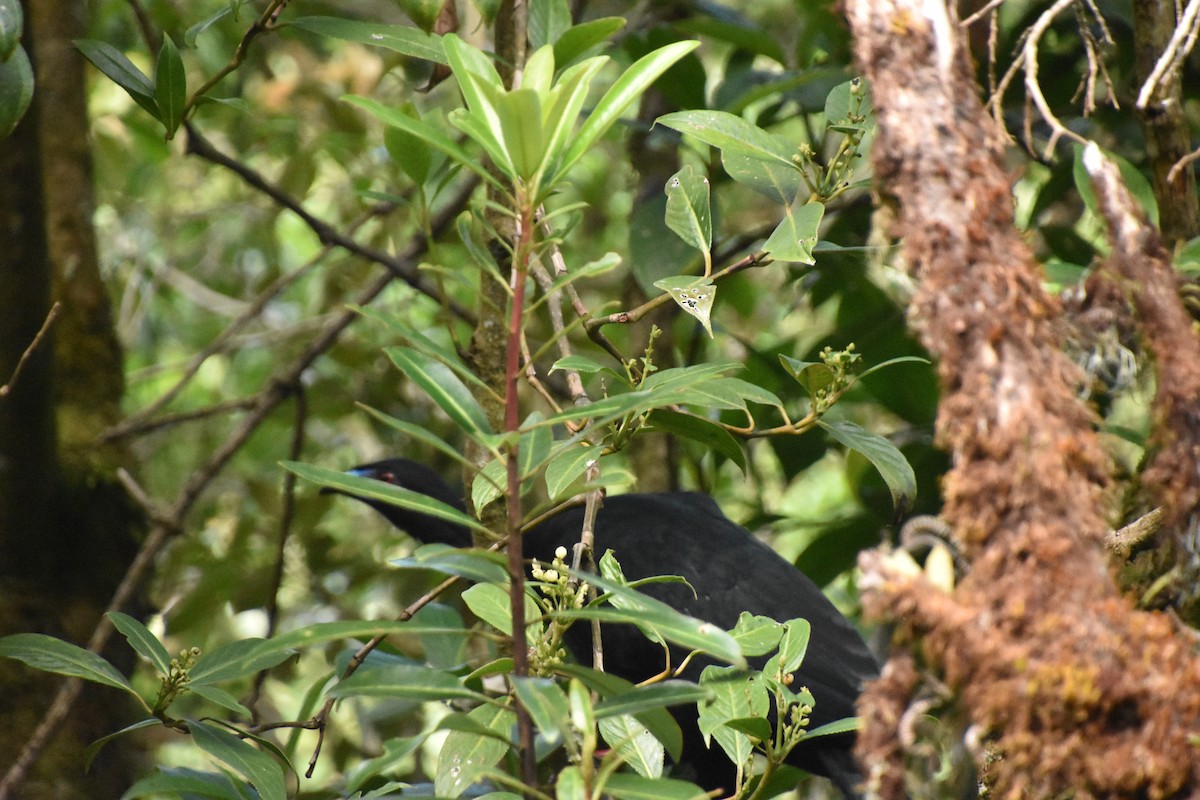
(387, 477)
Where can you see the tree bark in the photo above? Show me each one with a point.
(1074, 691)
(66, 530)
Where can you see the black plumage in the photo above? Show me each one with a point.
(686, 534)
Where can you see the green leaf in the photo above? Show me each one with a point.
(569, 785)
(423, 131)
(418, 432)
(845, 725)
(62, 658)
(778, 182)
(401, 38)
(887, 458)
(546, 704)
(707, 433)
(16, 89)
(145, 643)
(693, 295)
(645, 698)
(578, 363)
(466, 758)
(193, 33)
(490, 602)
(575, 42)
(793, 645)
(474, 565)
(411, 153)
(489, 484)
(93, 749)
(813, 376)
(236, 659)
(634, 743)
(443, 387)
(520, 115)
(735, 695)
(757, 728)
(12, 24)
(627, 786)
(567, 466)
(657, 720)
(371, 489)
(184, 782)
(407, 681)
(842, 99)
(893, 361)
(170, 86)
(794, 238)
(113, 63)
(248, 761)
(628, 88)
(548, 20)
(655, 615)
(731, 133)
(757, 635)
(689, 214)
(219, 697)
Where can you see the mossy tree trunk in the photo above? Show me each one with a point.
(66, 530)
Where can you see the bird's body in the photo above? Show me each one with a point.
(728, 570)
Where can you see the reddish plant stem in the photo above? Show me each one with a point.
(512, 423)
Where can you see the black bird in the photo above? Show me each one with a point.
(686, 534)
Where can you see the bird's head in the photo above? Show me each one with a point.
(416, 477)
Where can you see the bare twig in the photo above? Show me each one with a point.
(33, 345)
(1167, 66)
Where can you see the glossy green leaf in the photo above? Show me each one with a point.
(570, 785)
(689, 213)
(423, 131)
(757, 635)
(757, 728)
(655, 615)
(263, 773)
(520, 115)
(587, 366)
(734, 695)
(145, 643)
(113, 63)
(193, 33)
(184, 782)
(488, 485)
(62, 658)
(566, 467)
(372, 489)
(845, 725)
(418, 432)
(634, 743)
(794, 238)
(627, 786)
(219, 697)
(729, 132)
(657, 720)
(645, 698)
(548, 20)
(170, 86)
(409, 681)
(793, 645)
(693, 295)
(782, 183)
(885, 456)
(93, 749)
(706, 432)
(16, 89)
(578, 40)
(236, 659)
(403, 39)
(12, 24)
(443, 387)
(491, 603)
(562, 109)
(466, 758)
(547, 706)
(628, 88)
(412, 154)
(474, 565)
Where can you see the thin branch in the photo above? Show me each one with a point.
(33, 345)
(261, 25)
(405, 270)
(1182, 42)
(991, 6)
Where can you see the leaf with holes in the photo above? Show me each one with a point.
(694, 295)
